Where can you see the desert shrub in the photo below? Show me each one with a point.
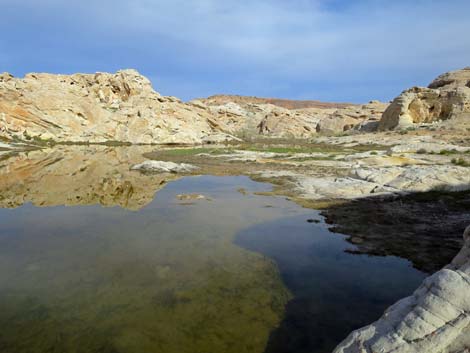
(460, 162)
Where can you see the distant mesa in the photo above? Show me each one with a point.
(283, 103)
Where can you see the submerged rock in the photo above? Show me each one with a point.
(165, 167)
(192, 197)
(435, 319)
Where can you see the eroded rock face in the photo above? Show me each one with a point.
(248, 118)
(453, 79)
(99, 107)
(435, 319)
(446, 98)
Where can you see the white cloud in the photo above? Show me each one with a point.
(291, 40)
(278, 33)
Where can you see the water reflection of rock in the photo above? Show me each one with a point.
(78, 175)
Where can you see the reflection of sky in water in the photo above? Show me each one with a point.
(334, 292)
(169, 277)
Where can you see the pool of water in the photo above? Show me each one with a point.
(97, 258)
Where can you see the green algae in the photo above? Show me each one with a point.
(89, 279)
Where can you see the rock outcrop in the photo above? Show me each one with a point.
(363, 118)
(96, 108)
(250, 118)
(365, 181)
(447, 98)
(123, 107)
(435, 319)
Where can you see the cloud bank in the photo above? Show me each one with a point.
(335, 50)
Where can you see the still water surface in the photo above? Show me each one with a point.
(234, 272)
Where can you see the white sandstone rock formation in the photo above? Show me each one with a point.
(391, 178)
(435, 319)
(97, 108)
(417, 178)
(250, 116)
(446, 98)
(318, 188)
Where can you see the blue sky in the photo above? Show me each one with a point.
(333, 50)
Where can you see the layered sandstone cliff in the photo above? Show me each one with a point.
(96, 108)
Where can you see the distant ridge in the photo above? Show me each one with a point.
(284, 103)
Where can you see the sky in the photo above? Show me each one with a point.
(331, 50)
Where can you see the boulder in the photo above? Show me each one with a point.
(336, 124)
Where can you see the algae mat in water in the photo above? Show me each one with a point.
(167, 278)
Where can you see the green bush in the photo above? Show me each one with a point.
(460, 162)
